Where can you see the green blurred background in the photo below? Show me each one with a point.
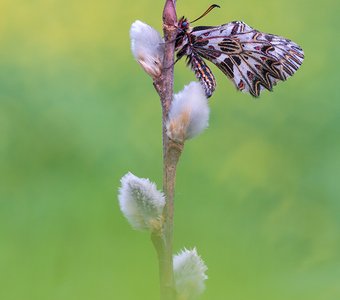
(257, 193)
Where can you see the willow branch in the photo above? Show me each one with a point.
(171, 153)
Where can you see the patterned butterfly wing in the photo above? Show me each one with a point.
(251, 59)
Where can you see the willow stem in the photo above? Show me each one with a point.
(163, 241)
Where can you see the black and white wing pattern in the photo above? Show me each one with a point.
(251, 59)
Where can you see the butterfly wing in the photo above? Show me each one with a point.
(251, 59)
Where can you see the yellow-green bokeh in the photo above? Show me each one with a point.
(257, 193)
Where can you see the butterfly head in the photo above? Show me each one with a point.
(183, 24)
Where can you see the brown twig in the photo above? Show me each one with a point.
(171, 153)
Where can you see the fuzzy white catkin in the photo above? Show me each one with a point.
(147, 47)
(189, 113)
(141, 203)
(189, 273)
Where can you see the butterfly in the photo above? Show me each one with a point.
(251, 59)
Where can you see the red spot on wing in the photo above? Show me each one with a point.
(241, 85)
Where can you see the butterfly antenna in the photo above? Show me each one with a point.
(210, 8)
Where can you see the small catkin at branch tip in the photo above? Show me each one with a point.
(141, 203)
(189, 113)
(147, 47)
(189, 272)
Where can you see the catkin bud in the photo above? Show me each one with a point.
(189, 113)
(147, 47)
(141, 203)
(189, 273)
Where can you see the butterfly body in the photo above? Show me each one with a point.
(252, 60)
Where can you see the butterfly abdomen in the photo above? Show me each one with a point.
(203, 74)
